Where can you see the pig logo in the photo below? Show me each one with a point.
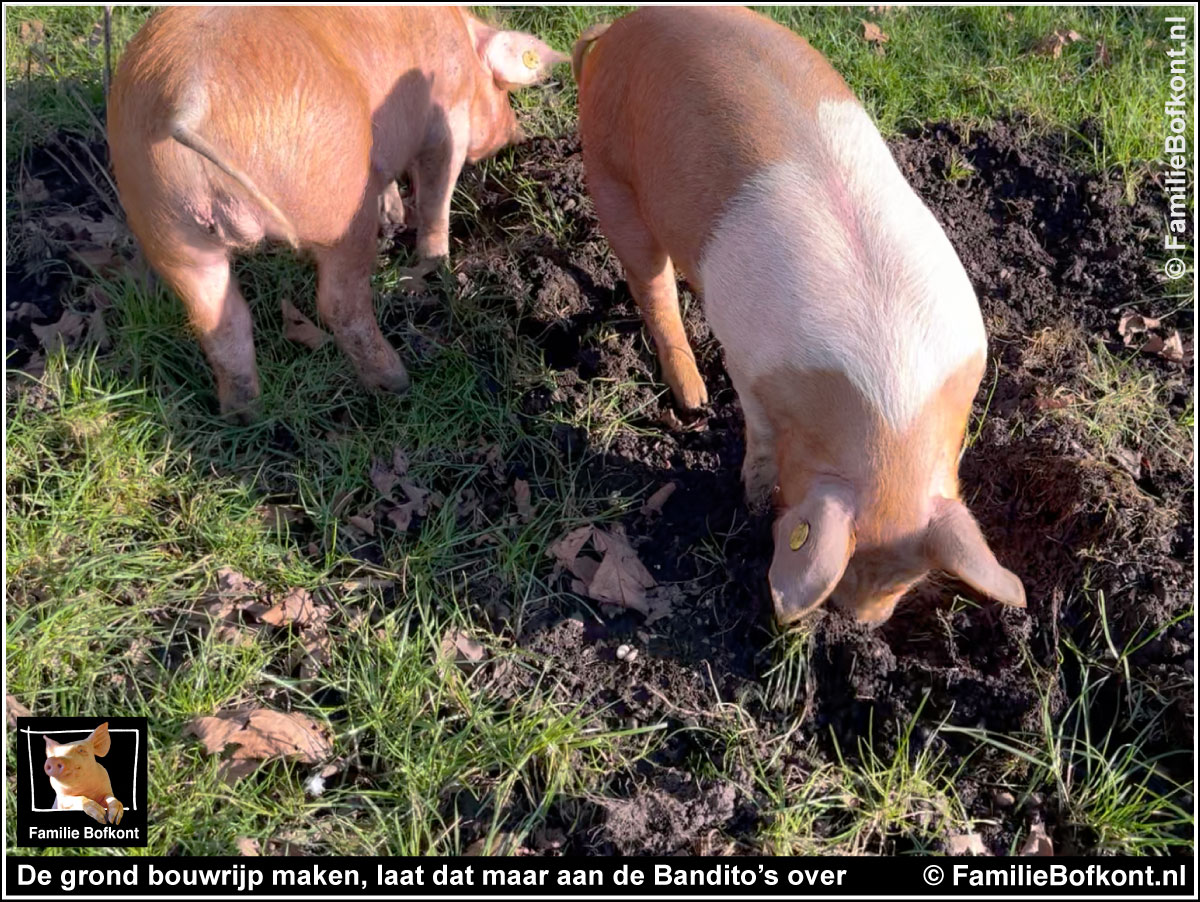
(81, 784)
(79, 780)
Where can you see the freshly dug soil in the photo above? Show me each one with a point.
(1056, 256)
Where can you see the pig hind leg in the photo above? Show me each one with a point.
(220, 316)
(345, 304)
(651, 278)
(434, 174)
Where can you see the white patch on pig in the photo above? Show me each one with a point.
(830, 261)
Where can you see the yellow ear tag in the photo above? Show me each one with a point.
(799, 536)
(530, 59)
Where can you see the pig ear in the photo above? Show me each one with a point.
(50, 744)
(100, 740)
(813, 543)
(954, 543)
(516, 59)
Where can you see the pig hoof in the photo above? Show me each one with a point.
(240, 414)
(95, 811)
(691, 395)
(239, 401)
(116, 811)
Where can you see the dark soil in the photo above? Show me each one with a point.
(1056, 255)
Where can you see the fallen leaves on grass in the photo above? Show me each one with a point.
(68, 331)
(33, 32)
(460, 649)
(874, 35)
(259, 735)
(1138, 331)
(654, 504)
(14, 709)
(1052, 44)
(299, 328)
(618, 578)
(247, 846)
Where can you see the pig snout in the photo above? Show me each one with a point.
(54, 767)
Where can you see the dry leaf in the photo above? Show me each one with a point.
(1037, 843)
(1172, 348)
(299, 328)
(401, 516)
(312, 655)
(524, 505)
(98, 331)
(36, 364)
(1133, 324)
(618, 578)
(247, 846)
(14, 709)
(1053, 43)
(296, 607)
(567, 549)
(654, 504)
(966, 844)
(262, 735)
(104, 231)
(399, 461)
(33, 191)
(459, 648)
(382, 477)
(33, 32)
(67, 331)
(363, 524)
(1102, 54)
(874, 35)
(276, 516)
(22, 312)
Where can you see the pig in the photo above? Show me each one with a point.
(80, 782)
(232, 125)
(720, 145)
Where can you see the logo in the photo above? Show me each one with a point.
(81, 781)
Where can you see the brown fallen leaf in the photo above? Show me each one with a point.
(261, 734)
(247, 846)
(298, 607)
(399, 461)
(621, 578)
(524, 505)
(1037, 843)
(313, 653)
(459, 648)
(299, 328)
(1131, 325)
(966, 844)
(277, 516)
(383, 477)
(1172, 348)
(33, 31)
(22, 312)
(105, 231)
(401, 516)
(35, 366)
(1052, 44)
(654, 504)
(874, 35)
(66, 332)
(33, 191)
(97, 331)
(363, 524)
(566, 550)
(14, 709)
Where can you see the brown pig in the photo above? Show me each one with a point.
(232, 125)
(80, 782)
(720, 145)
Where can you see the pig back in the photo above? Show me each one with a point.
(684, 104)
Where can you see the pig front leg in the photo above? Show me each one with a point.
(433, 177)
(116, 810)
(391, 206)
(759, 470)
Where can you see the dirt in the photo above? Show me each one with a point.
(1056, 255)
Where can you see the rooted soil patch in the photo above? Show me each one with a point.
(1055, 255)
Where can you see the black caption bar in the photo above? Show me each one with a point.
(619, 877)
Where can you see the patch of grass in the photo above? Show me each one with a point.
(1124, 406)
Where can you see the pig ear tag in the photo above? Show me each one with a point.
(530, 59)
(799, 536)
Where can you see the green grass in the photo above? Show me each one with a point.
(125, 495)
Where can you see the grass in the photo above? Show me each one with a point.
(125, 495)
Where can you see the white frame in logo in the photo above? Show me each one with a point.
(137, 743)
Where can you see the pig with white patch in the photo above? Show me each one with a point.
(720, 145)
(232, 125)
(80, 782)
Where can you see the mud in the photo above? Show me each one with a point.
(1056, 255)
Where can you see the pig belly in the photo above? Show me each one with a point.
(832, 263)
